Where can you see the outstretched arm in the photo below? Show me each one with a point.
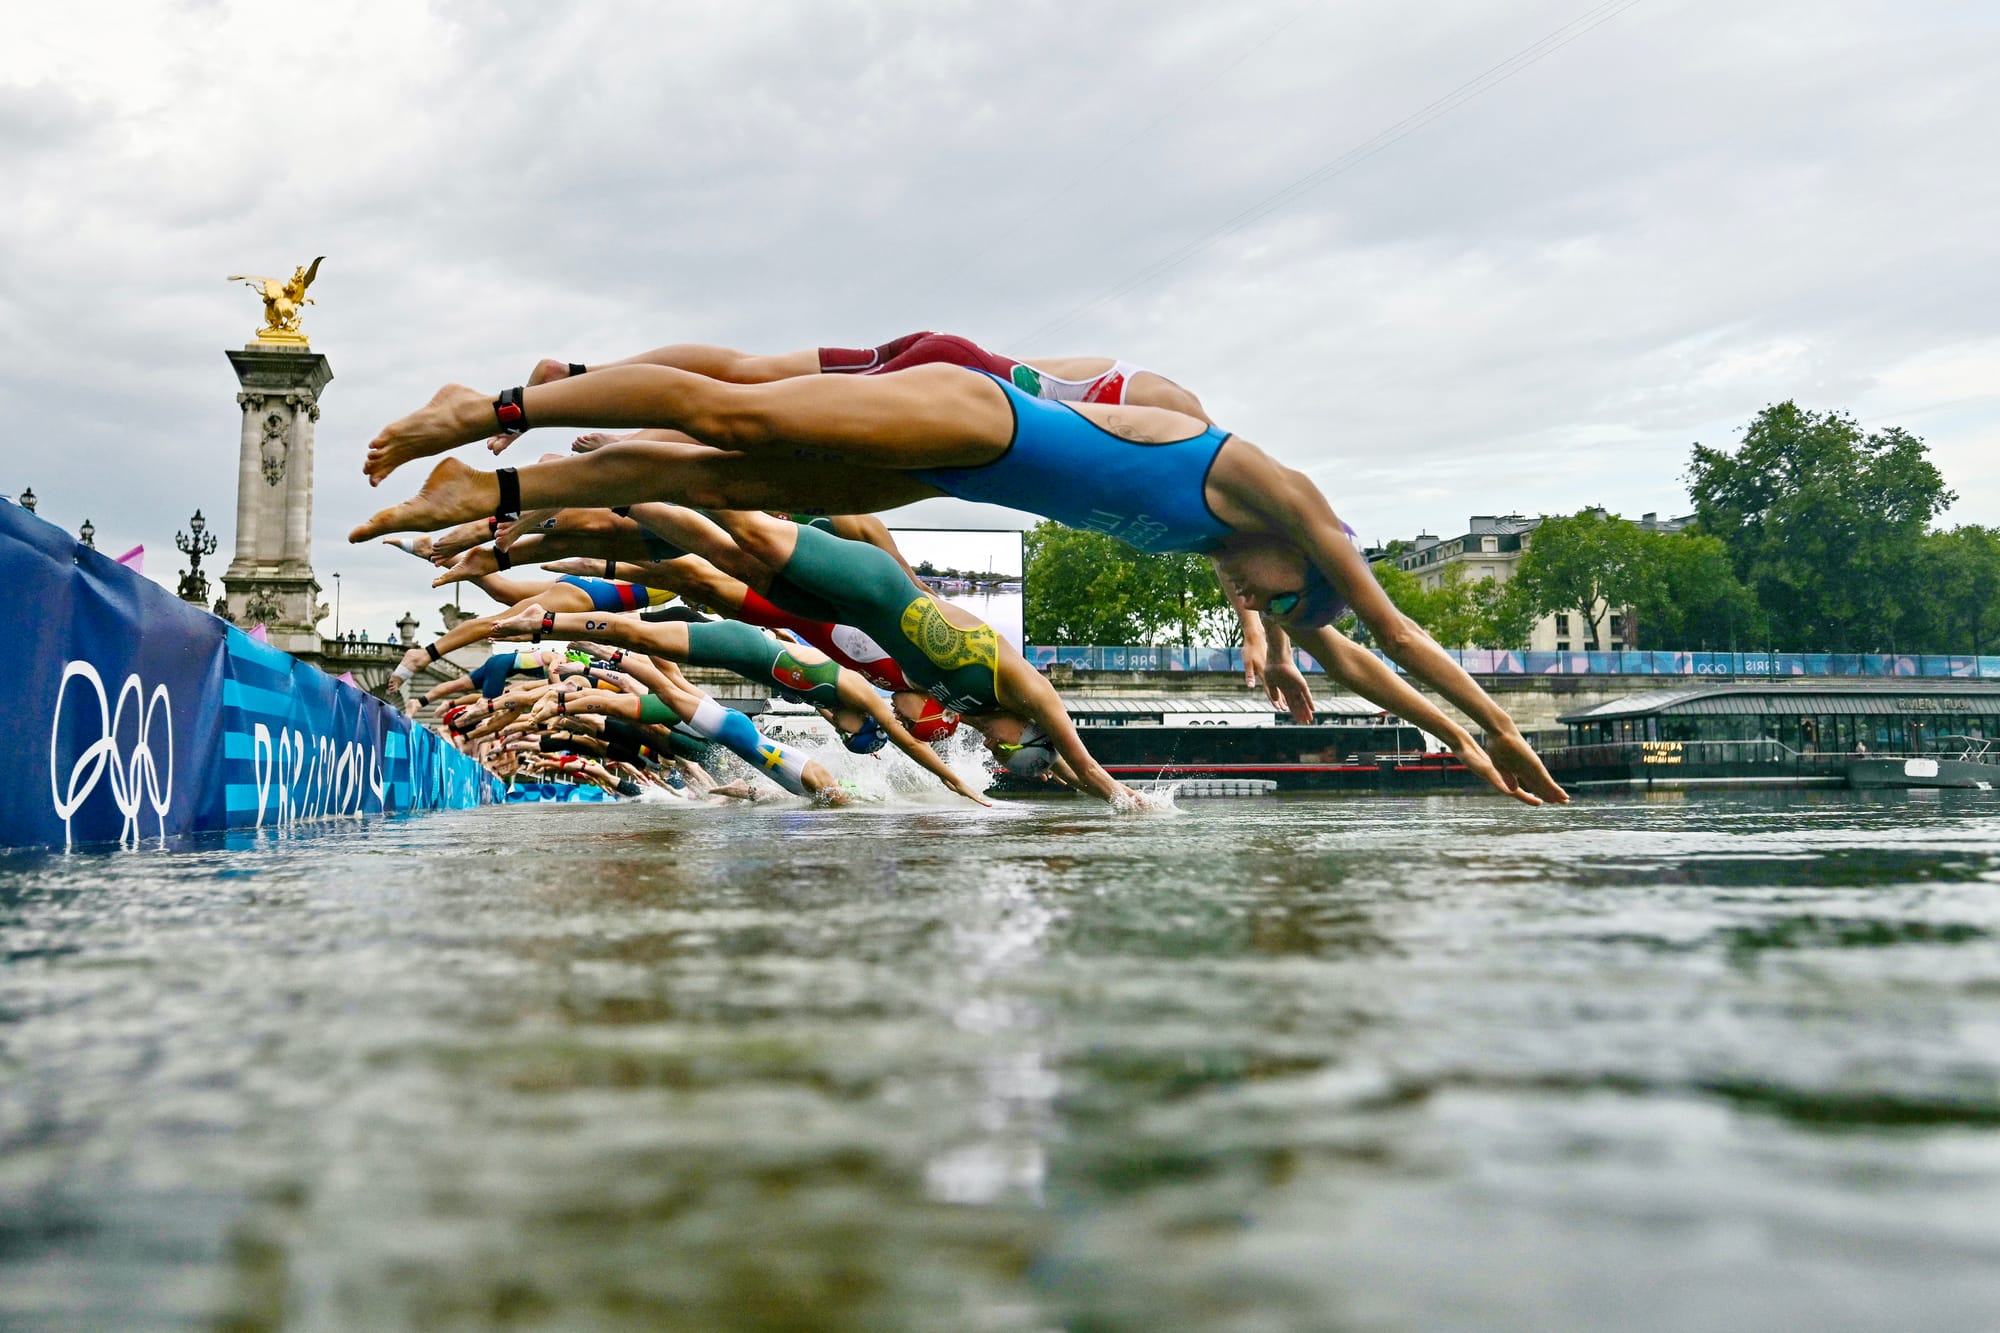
(1024, 691)
(1364, 673)
(1304, 515)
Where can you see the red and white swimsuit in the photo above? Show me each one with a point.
(931, 349)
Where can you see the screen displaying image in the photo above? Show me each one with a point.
(980, 571)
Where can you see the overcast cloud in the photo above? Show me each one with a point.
(1535, 303)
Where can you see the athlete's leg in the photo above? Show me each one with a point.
(932, 416)
(633, 474)
(720, 363)
(511, 591)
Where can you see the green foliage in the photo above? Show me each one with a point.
(1587, 563)
(1686, 596)
(1087, 588)
(1459, 613)
(1952, 603)
(1825, 525)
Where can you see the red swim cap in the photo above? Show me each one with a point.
(933, 722)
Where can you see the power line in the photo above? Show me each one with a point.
(992, 244)
(1533, 54)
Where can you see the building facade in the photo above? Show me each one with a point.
(1491, 549)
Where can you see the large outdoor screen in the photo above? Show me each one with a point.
(980, 571)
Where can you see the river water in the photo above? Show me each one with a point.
(1727, 1061)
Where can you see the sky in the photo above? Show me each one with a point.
(1533, 296)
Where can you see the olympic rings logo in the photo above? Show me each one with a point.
(135, 776)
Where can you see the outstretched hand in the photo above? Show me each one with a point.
(1285, 685)
(1513, 767)
(1517, 760)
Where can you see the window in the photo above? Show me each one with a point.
(1562, 645)
(1562, 624)
(1617, 626)
(1489, 543)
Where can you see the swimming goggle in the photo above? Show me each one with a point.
(1030, 757)
(1284, 603)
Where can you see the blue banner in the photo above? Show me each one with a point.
(134, 715)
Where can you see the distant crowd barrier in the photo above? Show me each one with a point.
(1495, 662)
(131, 715)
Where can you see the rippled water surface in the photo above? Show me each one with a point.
(1721, 1062)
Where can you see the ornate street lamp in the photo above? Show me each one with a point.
(28, 500)
(407, 627)
(194, 583)
(87, 534)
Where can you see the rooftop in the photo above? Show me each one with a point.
(1876, 695)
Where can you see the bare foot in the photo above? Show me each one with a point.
(474, 564)
(522, 624)
(596, 439)
(460, 539)
(452, 493)
(580, 565)
(420, 547)
(455, 415)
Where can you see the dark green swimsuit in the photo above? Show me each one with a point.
(854, 583)
(755, 655)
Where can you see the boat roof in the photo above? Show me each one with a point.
(1876, 695)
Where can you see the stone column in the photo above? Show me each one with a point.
(271, 579)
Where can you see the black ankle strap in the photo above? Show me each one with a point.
(502, 559)
(432, 649)
(577, 367)
(509, 508)
(510, 412)
(610, 568)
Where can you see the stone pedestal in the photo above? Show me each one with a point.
(270, 580)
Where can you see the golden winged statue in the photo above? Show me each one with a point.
(283, 299)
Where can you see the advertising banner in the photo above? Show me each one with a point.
(135, 716)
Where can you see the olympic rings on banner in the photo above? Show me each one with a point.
(134, 777)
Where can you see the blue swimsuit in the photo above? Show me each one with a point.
(615, 595)
(1064, 466)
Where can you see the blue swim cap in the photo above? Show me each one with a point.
(869, 739)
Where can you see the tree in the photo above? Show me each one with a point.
(1952, 602)
(1588, 563)
(1460, 612)
(1086, 588)
(1685, 594)
(1823, 523)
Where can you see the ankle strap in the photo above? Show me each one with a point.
(510, 412)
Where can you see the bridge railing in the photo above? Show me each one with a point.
(1514, 662)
